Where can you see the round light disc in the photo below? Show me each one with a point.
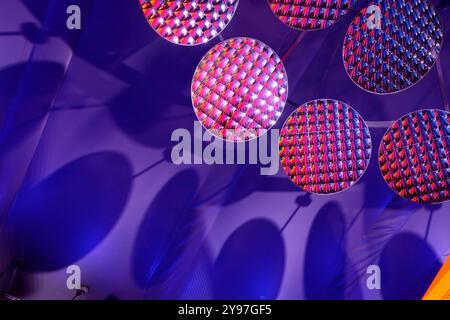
(415, 154)
(391, 45)
(239, 89)
(325, 146)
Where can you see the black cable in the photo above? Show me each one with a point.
(80, 292)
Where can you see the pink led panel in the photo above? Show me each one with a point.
(415, 154)
(239, 89)
(188, 22)
(325, 146)
(393, 52)
(310, 14)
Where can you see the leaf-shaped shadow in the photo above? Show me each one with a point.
(325, 257)
(68, 214)
(251, 263)
(154, 106)
(26, 92)
(169, 237)
(408, 266)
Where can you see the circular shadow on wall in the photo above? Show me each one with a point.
(250, 265)
(326, 263)
(408, 266)
(169, 236)
(68, 214)
(158, 100)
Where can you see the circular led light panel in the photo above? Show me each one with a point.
(239, 89)
(391, 45)
(325, 146)
(188, 22)
(310, 14)
(415, 154)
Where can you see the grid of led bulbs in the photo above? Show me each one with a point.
(239, 89)
(398, 52)
(325, 146)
